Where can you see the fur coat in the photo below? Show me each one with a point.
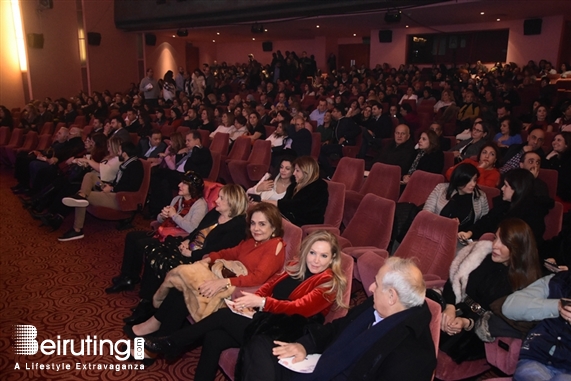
(467, 260)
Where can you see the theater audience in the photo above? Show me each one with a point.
(128, 179)
(400, 150)
(509, 132)
(470, 147)
(275, 189)
(511, 159)
(516, 201)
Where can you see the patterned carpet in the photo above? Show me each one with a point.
(59, 289)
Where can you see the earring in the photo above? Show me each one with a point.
(273, 235)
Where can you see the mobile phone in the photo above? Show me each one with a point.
(565, 302)
(551, 266)
(255, 197)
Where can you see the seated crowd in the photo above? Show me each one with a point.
(223, 261)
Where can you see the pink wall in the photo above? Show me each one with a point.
(11, 86)
(112, 64)
(55, 69)
(520, 48)
(168, 54)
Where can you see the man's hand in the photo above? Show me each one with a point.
(106, 188)
(565, 312)
(285, 350)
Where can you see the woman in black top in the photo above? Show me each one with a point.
(207, 116)
(429, 156)
(560, 160)
(255, 128)
(305, 200)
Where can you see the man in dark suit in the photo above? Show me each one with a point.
(128, 179)
(400, 151)
(118, 130)
(132, 121)
(385, 338)
(344, 134)
(151, 146)
(444, 142)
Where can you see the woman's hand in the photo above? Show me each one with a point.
(457, 325)
(285, 350)
(448, 315)
(169, 211)
(405, 179)
(465, 235)
(249, 300)
(212, 287)
(265, 186)
(184, 249)
(456, 153)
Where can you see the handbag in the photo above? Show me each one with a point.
(165, 256)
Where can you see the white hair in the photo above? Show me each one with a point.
(410, 289)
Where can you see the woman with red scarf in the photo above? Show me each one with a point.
(181, 217)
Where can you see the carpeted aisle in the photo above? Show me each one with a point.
(59, 289)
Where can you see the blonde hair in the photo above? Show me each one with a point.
(114, 145)
(338, 284)
(237, 199)
(310, 170)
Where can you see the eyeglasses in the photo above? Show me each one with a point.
(476, 130)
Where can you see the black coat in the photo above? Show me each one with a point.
(300, 140)
(348, 129)
(131, 179)
(405, 352)
(307, 206)
(144, 146)
(401, 155)
(200, 161)
(432, 162)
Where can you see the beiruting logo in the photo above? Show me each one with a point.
(25, 343)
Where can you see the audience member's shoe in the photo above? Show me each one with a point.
(118, 278)
(142, 313)
(123, 284)
(147, 361)
(16, 187)
(75, 201)
(53, 221)
(128, 329)
(159, 345)
(71, 235)
(38, 215)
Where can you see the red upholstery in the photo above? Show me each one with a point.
(30, 143)
(504, 360)
(549, 176)
(47, 128)
(315, 145)
(4, 135)
(383, 180)
(16, 141)
(216, 159)
(334, 210)
(44, 142)
(370, 228)
(167, 130)
(352, 151)
(432, 240)
(80, 121)
(490, 193)
(269, 130)
(420, 186)
(292, 238)
(134, 138)
(204, 137)
(220, 143)
(129, 202)
(87, 130)
(211, 190)
(240, 151)
(350, 172)
(448, 161)
(248, 173)
(183, 130)
(448, 370)
(58, 126)
(553, 221)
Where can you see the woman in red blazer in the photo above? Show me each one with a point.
(308, 287)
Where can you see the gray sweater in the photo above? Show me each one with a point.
(437, 201)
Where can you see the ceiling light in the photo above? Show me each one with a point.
(265, 30)
(497, 19)
(218, 33)
(213, 40)
(317, 26)
(406, 26)
(173, 35)
(253, 38)
(354, 34)
(481, 13)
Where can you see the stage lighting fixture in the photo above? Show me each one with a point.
(257, 28)
(392, 17)
(182, 32)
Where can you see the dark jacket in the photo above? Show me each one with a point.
(307, 206)
(69, 148)
(405, 351)
(122, 134)
(563, 167)
(300, 140)
(401, 155)
(532, 211)
(223, 236)
(348, 129)
(515, 149)
(200, 161)
(144, 146)
(131, 178)
(432, 162)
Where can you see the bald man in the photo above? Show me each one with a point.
(400, 150)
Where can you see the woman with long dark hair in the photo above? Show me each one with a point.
(480, 274)
(461, 198)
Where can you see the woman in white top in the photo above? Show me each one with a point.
(227, 125)
(278, 137)
(105, 170)
(274, 189)
(446, 99)
(409, 95)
